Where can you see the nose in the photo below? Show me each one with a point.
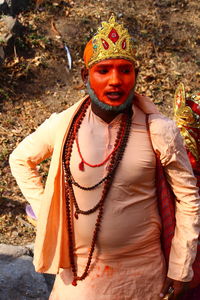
(115, 78)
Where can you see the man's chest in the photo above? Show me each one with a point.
(97, 143)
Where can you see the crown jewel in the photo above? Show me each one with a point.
(112, 40)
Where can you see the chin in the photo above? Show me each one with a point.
(113, 107)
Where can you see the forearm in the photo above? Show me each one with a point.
(168, 145)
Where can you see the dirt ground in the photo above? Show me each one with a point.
(36, 80)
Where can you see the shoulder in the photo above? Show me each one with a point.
(68, 111)
(166, 139)
(66, 114)
(162, 126)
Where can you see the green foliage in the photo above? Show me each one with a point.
(4, 154)
(4, 95)
(36, 39)
(19, 42)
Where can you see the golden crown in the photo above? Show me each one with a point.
(112, 40)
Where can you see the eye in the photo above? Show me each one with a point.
(103, 71)
(126, 71)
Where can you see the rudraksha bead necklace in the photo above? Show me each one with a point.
(83, 161)
(118, 142)
(115, 159)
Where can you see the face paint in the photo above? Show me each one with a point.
(103, 106)
(112, 81)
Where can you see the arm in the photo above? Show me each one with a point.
(29, 153)
(184, 244)
(168, 143)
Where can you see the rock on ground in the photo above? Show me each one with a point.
(7, 24)
(18, 279)
(13, 7)
(9, 27)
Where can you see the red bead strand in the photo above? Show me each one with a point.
(83, 161)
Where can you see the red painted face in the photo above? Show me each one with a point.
(112, 80)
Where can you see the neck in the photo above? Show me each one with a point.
(107, 116)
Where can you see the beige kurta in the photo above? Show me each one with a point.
(131, 225)
(128, 260)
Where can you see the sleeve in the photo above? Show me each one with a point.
(35, 148)
(168, 143)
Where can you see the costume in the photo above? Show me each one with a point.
(51, 252)
(126, 262)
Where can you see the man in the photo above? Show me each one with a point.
(98, 223)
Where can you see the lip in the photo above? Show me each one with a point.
(114, 95)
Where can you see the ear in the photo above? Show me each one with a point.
(179, 98)
(84, 74)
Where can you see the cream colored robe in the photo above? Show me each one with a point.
(51, 251)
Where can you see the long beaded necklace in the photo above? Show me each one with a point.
(83, 161)
(115, 158)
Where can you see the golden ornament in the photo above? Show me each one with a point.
(112, 40)
(186, 118)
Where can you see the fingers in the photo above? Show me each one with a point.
(165, 290)
(173, 289)
(179, 289)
